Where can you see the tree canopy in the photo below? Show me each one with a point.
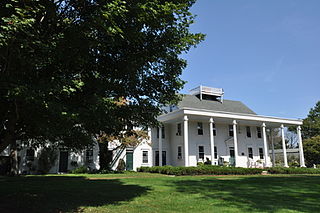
(311, 124)
(70, 69)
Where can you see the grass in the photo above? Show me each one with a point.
(144, 192)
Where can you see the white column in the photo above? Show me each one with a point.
(160, 145)
(265, 145)
(186, 140)
(302, 164)
(235, 141)
(211, 140)
(272, 144)
(284, 147)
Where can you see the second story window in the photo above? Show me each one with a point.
(178, 129)
(230, 130)
(214, 129)
(179, 152)
(163, 134)
(200, 128)
(248, 131)
(201, 152)
(259, 135)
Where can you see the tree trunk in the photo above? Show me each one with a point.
(10, 139)
(103, 156)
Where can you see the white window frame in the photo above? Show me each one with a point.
(143, 151)
(204, 152)
(200, 128)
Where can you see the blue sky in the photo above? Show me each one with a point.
(263, 53)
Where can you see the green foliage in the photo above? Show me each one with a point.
(73, 69)
(218, 170)
(311, 124)
(311, 148)
(121, 165)
(297, 170)
(47, 159)
(80, 170)
(200, 170)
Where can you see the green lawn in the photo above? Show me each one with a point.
(143, 192)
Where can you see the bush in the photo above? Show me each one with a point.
(200, 170)
(47, 159)
(298, 170)
(219, 170)
(80, 170)
(121, 165)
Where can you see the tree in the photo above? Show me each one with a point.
(311, 147)
(311, 124)
(70, 70)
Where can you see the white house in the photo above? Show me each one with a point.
(204, 126)
(201, 127)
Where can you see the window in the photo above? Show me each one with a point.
(250, 152)
(261, 153)
(179, 152)
(89, 155)
(200, 128)
(248, 131)
(144, 156)
(231, 130)
(215, 152)
(201, 152)
(163, 133)
(30, 155)
(259, 132)
(178, 129)
(214, 129)
(157, 132)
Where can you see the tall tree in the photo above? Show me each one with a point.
(71, 69)
(311, 124)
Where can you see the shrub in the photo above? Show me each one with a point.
(219, 170)
(47, 158)
(80, 170)
(200, 170)
(121, 165)
(297, 170)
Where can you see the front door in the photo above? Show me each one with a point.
(63, 161)
(232, 161)
(164, 158)
(129, 161)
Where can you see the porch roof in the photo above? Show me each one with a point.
(204, 114)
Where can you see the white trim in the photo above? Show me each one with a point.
(230, 115)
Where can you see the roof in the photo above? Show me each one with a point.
(192, 101)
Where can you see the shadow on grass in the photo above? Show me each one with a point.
(252, 194)
(62, 194)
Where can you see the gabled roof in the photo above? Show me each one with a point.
(192, 101)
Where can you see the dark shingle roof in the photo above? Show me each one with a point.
(192, 101)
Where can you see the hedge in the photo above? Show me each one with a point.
(220, 170)
(200, 170)
(293, 170)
